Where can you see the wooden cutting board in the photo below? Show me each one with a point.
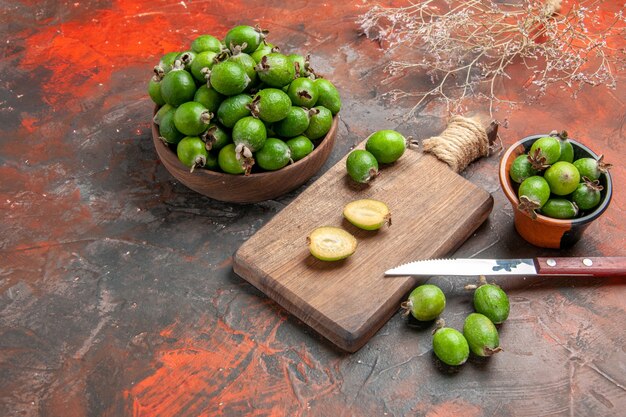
(433, 211)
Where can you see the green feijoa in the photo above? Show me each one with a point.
(426, 302)
(588, 194)
(303, 92)
(491, 301)
(191, 152)
(208, 97)
(203, 62)
(276, 70)
(567, 150)
(161, 112)
(361, 165)
(320, 123)
(591, 168)
(192, 118)
(328, 95)
(206, 43)
(249, 133)
(177, 87)
(301, 64)
(215, 137)
(154, 90)
(522, 168)
(559, 208)
(300, 147)
(166, 63)
(387, 146)
(547, 147)
(167, 130)
(228, 78)
(296, 122)
(247, 62)
(186, 58)
(562, 177)
(228, 160)
(270, 105)
(243, 34)
(535, 190)
(274, 155)
(263, 49)
(233, 108)
(481, 335)
(211, 162)
(450, 346)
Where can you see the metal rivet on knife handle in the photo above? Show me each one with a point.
(587, 262)
(551, 262)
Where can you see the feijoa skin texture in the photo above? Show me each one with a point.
(209, 98)
(203, 60)
(567, 151)
(192, 118)
(228, 161)
(161, 112)
(387, 146)
(154, 91)
(239, 35)
(563, 178)
(320, 123)
(536, 189)
(300, 147)
(521, 168)
(491, 301)
(250, 132)
(588, 167)
(191, 152)
(274, 155)
(426, 302)
(328, 95)
(450, 346)
(233, 108)
(587, 196)
(481, 335)
(276, 70)
(271, 105)
(361, 166)
(228, 78)
(206, 43)
(303, 92)
(559, 208)
(549, 147)
(167, 129)
(216, 137)
(295, 124)
(178, 87)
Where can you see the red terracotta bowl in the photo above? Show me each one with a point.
(251, 188)
(544, 231)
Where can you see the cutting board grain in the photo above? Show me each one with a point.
(433, 211)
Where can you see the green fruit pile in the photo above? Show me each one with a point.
(381, 147)
(233, 104)
(553, 183)
(480, 335)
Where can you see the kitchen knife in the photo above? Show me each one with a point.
(570, 266)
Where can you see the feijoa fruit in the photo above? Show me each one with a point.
(329, 243)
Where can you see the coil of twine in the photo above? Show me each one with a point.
(463, 140)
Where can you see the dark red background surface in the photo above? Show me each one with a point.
(117, 295)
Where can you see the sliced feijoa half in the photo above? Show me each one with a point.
(329, 243)
(367, 214)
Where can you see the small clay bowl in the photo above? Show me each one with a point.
(544, 231)
(252, 188)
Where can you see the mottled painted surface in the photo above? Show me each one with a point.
(117, 296)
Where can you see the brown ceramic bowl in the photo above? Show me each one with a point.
(252, 188)
(544, 231)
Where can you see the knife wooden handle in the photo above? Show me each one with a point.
(597, 267)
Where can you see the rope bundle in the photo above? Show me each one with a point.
(463, 141)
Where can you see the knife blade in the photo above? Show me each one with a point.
(563, 266)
